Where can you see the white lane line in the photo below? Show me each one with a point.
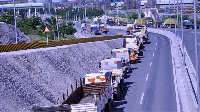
(199, 43)
(141, 98)
(156, 43)
(147, 77)
(150, 63)
(153, 54)
(155, 47)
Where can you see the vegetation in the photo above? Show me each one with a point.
(34, 27)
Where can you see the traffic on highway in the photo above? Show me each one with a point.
(99, 56)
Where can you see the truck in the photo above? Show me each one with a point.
(95, 29)
(110, 22)
(95, 95)
(114, 65)
(167, 23)
(188, 25)
(132, 42)
(141, 30)
(124, 55)
(129, 28)
(140, 21)
(103, 29)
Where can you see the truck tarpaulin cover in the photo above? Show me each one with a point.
(121, 53)
(130, 43)
(110, 64)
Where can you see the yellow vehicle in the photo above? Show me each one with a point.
(167, 23)
(140, 21)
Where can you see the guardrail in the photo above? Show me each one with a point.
(184, 74)
(43, 44)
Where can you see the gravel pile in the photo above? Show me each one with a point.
(7, 34)
(39, 77)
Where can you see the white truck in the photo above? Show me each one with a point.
(93, 96)
(114, 65)
(124, 54)
(132, 43)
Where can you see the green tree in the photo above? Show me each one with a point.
(52, 23)
(67, 29)
(142, 15)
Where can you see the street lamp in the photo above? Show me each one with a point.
(196, 54)
(15, 32)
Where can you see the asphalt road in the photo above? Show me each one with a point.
(189, 42)
(150, 86)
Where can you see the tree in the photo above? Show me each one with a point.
(67, 29)
(52, 23)
(142, 15)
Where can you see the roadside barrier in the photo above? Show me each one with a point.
(185, 75)
(43, 44)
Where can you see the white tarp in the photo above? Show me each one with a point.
(121, 53)
(112, 63)
(131, 43)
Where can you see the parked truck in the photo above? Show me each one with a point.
(124, 55)
(114, 65)
(133, 43)
(93, 96)
(129, 28)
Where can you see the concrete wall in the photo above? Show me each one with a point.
(39, 77)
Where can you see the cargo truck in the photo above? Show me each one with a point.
(114, 65)
(132, 42)
(124, 55)
(93, 96)
(188, 25)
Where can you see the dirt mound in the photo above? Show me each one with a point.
(7, 34)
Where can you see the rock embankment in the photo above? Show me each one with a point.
(7, 34)
(39, 77)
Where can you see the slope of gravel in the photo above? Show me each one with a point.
(39, 77)
(7, 34)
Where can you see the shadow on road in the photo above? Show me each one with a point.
(121, 100)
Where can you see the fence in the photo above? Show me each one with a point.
(43, 44)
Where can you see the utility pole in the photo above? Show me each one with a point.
(57, 24)
(182, 33)
(196, 54)
(174, 17)
(170, 14)
(178, 22)
(15, 32)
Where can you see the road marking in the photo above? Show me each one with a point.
(153, 54)
(150, 63)
(199, 43)
(156, 43)
(141, 98)
(147, 77)
(155, 47)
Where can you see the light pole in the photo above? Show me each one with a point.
(15, 32)
(196, 54)
(57, 24)
(174, 17)
(182, 33)
(177, 22)
(170, 15)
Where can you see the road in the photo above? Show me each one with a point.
(189, 42)
(86, 34)
(150, 86)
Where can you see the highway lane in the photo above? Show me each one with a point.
(189, 42)
(150, 86)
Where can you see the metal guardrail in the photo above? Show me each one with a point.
(43, 44)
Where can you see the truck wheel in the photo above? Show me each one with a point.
(121, 87)
(128, 33)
